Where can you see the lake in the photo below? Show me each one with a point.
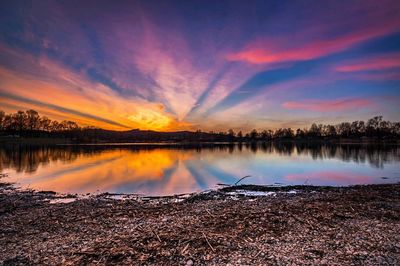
(158, 169)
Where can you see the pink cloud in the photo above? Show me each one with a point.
(308, 45)
(351, 178)
(328, 105)
(380, 62)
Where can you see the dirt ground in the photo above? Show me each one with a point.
(326, 226)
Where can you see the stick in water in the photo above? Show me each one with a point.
(241, 179)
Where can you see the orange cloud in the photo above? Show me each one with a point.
(60, 93)
(328, 105)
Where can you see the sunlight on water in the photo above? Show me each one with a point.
(152, 170)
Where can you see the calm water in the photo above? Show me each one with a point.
(166, 170)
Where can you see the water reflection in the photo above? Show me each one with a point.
(165, 170)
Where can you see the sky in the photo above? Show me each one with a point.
(209, 65)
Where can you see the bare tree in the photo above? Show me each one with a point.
(32, 120)
(2, 115)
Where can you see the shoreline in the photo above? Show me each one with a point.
(300, 225)
(221, 191)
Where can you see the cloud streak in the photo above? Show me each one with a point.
(335, 105)
(61, 109)
(373, 63)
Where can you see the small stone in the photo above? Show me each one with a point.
(189, 263)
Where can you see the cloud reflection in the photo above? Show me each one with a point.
(167, 171)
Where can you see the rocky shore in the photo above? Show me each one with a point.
(241, 225)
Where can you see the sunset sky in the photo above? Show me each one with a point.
(210, 65)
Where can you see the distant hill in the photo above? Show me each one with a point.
(137, 135)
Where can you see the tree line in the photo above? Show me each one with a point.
(375, 127)
(30, 120)
(30, 123)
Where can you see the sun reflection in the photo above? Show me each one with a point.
(108, 170)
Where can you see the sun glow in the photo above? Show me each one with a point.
(150, 119)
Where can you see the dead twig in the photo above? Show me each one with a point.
(258, 253)
(185, 248)
(205, 237)
(154, 232)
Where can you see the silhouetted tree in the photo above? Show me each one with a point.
(300, 133)
(344, 129)
(240, 135)
(253, 134)
(266, 135)
(331, 131)
(2, 116)
(314, 131)
(44, 123)
(284, 133)
(231, 135)
(8, 123)
(32, 120)
(20, 120)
